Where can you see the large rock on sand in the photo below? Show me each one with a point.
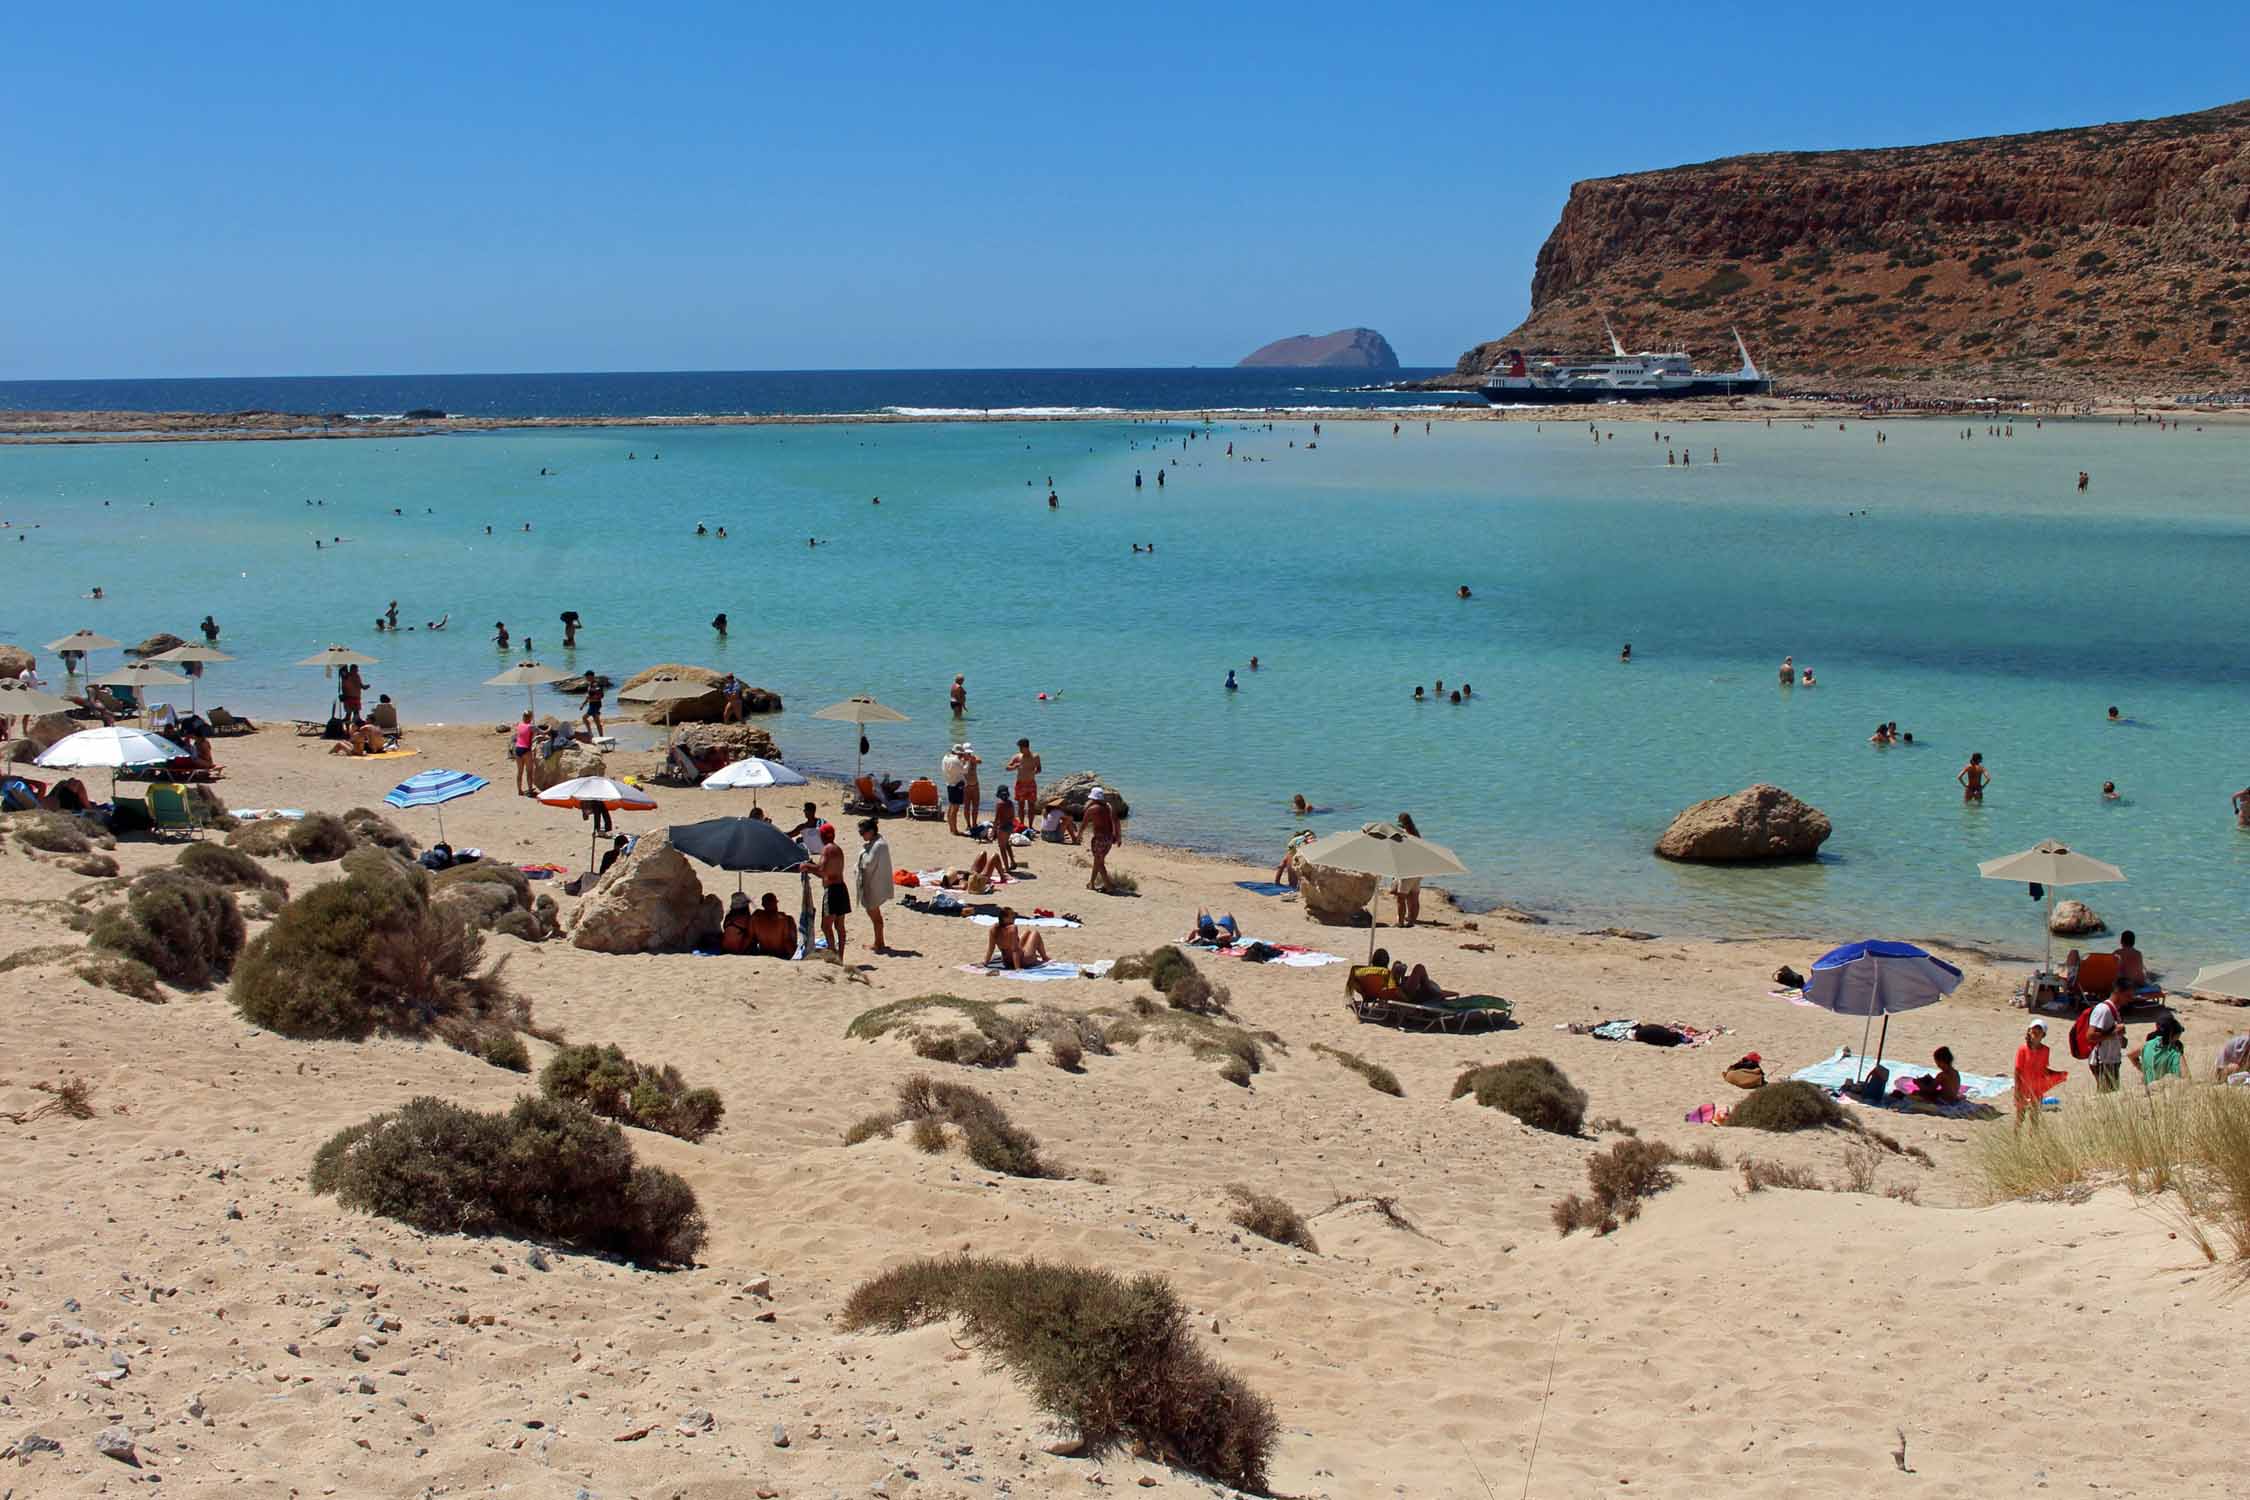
(1758, 822)
(15, 661)
(706, 709)
(568, 764)
(2074, 917)
(736, 740)
(1337, 897)
(1069, 793)
(48, 728)
(155, 645)
(649, 902)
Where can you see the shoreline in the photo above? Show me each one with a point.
(64, 428)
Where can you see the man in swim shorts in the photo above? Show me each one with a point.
(836, 898)
(1026, 766)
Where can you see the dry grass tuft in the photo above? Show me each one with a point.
(1757, 1176)
(994, 1142)
(1269, 1218)
(930, 1024)
(614, 1086)
(73, 1099)
(1379, 1078)
(1619, 1180)
(1789, 1105)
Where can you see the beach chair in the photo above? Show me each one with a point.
(170, 810)
(1456, 1016)
(869, 801)
(163, 718)
(923, 799)
(2097, 973)
(222, 723)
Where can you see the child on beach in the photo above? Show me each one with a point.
(2034, 1077)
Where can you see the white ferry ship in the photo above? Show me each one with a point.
(1515, 381)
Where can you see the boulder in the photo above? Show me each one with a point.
(48, 728)
(2074, 917)
(567, 764)
(1337, 897)
(704, 710)
(576, 686)
(1758, 822)
(1069, 793)
(155, 645)
(736, 740)
(15, 661)
(649, 902)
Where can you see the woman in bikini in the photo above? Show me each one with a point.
(1015, 948)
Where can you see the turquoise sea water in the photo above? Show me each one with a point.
(1981, 601)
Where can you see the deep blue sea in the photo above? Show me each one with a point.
(734, 393)
(1961, 586)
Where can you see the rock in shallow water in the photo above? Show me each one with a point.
(1758, 822)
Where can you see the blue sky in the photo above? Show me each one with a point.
(253, 189)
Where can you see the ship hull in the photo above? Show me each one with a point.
(1588, 395)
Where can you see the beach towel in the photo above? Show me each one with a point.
(1841, 1067)
(1041, 973)
(399, 754)
(1021, 921)
(1266, 887)
(1289, 955)
(258, 814)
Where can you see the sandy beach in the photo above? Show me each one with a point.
(1766, 1344)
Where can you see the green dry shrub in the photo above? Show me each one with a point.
(928, 1137)
(1789, 1105)
(189, 931)
(1618, 1180)
(1122, 884)
(124, 976)
(1532, 1089)
(520, 925)
(369, 953)
(220, 865)
(485, 892)
(45, 953)
(1235, 1071)
(1379, 1078)
(267, 838)
(93, 866)
(316, 838)
(371, 827)
(1112, 1357)
(609, 1083)
(1760, 1175)
(995, 1044)
(1172, 974)
(1269, 1218)
(994, 1142)
(59, 832)
(1064, 1049)
(1207, 1039)
(546, 1169)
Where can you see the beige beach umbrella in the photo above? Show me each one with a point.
(339, 656)
(863, 710)
(30, 701)
(2230, 979)
(194, 657)
(2050, 863)
(526, 675)
(667, 691)
(76, 644)
(1386, 851)
(140, 676)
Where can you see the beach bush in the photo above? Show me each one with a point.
(368, 826)
(611, 1084)
(1618, 1180)
(1206, 1039)
(546, 1169)
(1269, 1218)
(1172, 974)
(369, 953)
(1113, 1357)
(220, 865)
(947, 1028)
(994, 1142)
(315, 839)
(1789, 1105)
(59, 832)
(1379, 1078)
(1760, 1175)
(1235, 1071)
(1064, 1049)
(485, 892)
(1532, 1089)
(187, 930)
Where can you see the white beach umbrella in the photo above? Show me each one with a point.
(526, 675)
(2232, 979)
(753, 772)
(112, 747)
(339, 656)
(863, 710)
(1386, 851)
(140, 676)
(2050, 863)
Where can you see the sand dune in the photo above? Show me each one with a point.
(1749, 1344)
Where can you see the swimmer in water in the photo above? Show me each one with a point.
(1788, 671)
(1232, 685)
(1974, 778)
(2109, 791)
(1253, 664)
(1298, 804)
(719, 623)
(1627, 653)
(1806, 678)
(2113, 718)
(1462, 592)
(1417, 692)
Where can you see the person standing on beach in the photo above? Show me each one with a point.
(1026, 766)
(2034, 1076)
(1974, 778)
(957, 696)
(1004, 829)
(350, 686)
(521, 750)
(1102, 833)
(2107, 1027)
(591, 715)
(872, 874)
(972, 794)
(1407, 894)
(953, 772)
(836, 897)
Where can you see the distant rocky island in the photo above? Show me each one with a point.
(2105, 260)
(1345, 349)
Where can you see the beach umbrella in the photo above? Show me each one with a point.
(198, 655)
(597, 791)
(140, 676)
(31, 701)
(526, 675)
(2232, 979)
(339, 656)
(112, 747)
(434, 789)
(1385, 851)
(667, 691)
(754, 772)
(77, 644)
(1879, 978)
(863, 710)
(2049, 864)
(738, 844)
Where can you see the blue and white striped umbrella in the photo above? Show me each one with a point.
(434, 789)
(1879, 978)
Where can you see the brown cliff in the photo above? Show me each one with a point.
(2101, 260)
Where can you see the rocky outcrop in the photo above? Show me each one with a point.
(2106, 259)
(736, 740)
(567, 764)
(1069, 794)
(155, 645)
(15, 661)
(48, 728)
(1337, 897)
(1345, 349)
(649, 902)
(707, 708)
(1758, 822)
(2074, 917)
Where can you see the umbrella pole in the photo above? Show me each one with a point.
(1883, 1037)
(2049, 930)
(1875, 992)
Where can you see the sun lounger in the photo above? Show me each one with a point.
(868, 802)
(922, 799)
(170, 810)
(222, 722)
(1462, 1013)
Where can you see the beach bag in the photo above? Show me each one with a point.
(1745, 1078)
(1788, 978)
(2082, 1035)
(905, 878)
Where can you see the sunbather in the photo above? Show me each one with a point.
(1016, 948)
(1213, 932)
(734, 933)
(1941, 1087)
(1057, 826)
(365, 740)
(1416, 984)
(772, 935)
(1372, 980)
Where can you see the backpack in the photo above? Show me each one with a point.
(2082, 1035)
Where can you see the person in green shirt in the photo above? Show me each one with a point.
(2161, 1054)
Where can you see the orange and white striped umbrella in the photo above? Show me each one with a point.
(598, 791)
